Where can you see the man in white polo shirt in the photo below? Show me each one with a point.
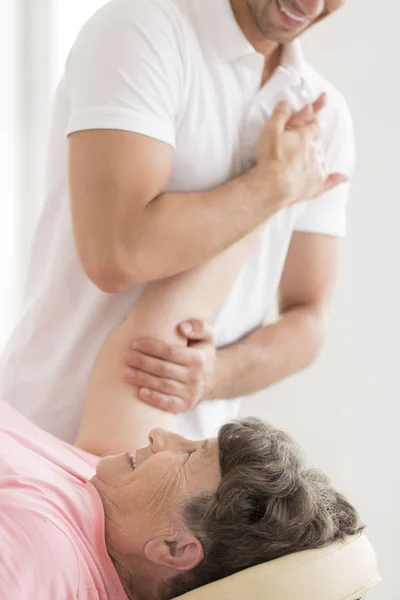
(158, 115)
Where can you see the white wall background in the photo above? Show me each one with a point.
(35, 37)
(9, 193)
(345, 410)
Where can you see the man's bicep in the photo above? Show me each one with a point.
(123, 87)
(310, 270)
(113, 175)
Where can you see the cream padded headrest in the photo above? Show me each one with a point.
(344, 570)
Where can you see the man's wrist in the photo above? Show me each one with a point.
(273, 185)
(216, 388)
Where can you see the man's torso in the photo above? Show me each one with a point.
(222, 109)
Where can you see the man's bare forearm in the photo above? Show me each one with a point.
(189, 229)
(127, 230)
(269, 354)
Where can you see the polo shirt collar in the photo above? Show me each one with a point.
(229, 41)
(293, 58)
(227, 37)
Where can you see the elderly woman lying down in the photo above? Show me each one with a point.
(158, 521)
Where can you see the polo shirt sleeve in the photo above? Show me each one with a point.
(36, 560)
(125, 70)
(327, 214)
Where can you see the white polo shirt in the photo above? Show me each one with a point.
(180, 71)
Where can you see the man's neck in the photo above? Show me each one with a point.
(271, 50)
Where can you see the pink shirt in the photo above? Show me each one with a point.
(51, 519)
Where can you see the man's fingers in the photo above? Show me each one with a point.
(334, 180)
(311, 130)
(170, 404)
(281, 116)
(196, 331)
(306, 115)
(137, 361)
(159, 384)
(179, 355)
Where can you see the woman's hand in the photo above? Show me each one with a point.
(174, 378)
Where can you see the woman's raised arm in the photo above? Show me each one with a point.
(114, 419)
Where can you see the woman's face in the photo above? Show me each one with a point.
(149, 492)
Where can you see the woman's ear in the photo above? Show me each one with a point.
(181, 554)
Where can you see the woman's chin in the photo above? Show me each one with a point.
(114, 470)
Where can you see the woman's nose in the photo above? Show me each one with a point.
(156, 439)
(161, 439)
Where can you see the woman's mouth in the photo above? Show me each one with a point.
(131, 458)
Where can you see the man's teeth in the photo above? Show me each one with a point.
(290, 14)
(133, 460)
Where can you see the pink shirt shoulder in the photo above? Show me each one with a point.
(51, 518)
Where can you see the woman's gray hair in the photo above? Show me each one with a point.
(267, 505)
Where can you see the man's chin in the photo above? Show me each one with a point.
(281, 36)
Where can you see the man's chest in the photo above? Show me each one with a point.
(221, 117)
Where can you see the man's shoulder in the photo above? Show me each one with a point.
(157, 30)
(168, 9)
(336, 121)
(336, 100)
(162, 16)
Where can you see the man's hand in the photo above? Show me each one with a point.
(308, 114)
(174, 378)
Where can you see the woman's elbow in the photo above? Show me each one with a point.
(315, 323)
(114, 269)
(108, 271)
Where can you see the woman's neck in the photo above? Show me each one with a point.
(127, 581)
(136, 587)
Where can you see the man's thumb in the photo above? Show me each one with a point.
(281, 116)
(195, 330)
